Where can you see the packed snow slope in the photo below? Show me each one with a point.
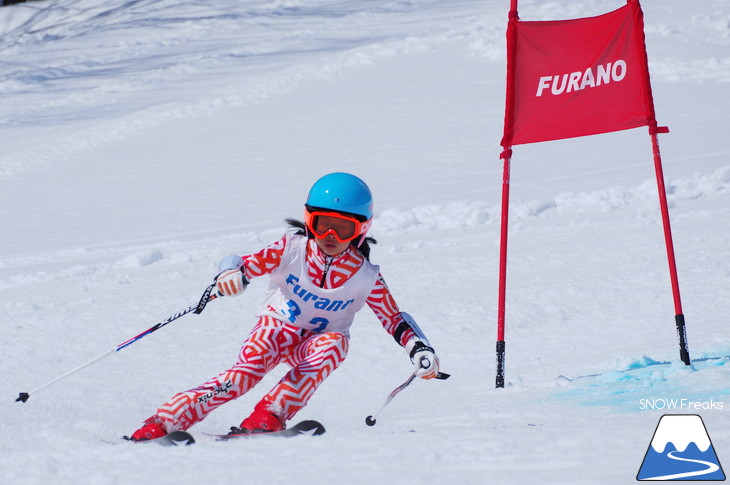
(143, 140)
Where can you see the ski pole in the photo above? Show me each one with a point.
(197, 308)
(424, 362)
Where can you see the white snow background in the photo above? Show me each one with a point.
(143, 140)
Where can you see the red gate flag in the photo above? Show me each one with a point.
(571, 78)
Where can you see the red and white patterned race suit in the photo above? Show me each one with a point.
(312, 350)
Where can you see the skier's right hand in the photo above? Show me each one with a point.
(231, 282)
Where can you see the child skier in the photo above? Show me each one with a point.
(320, 277)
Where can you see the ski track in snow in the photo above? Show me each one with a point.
(144, 140)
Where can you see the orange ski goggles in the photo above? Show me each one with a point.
(344, 228)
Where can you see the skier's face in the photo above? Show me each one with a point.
(330, 245)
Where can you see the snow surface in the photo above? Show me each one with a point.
(142, 140)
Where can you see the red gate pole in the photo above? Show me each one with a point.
(507, 157)
(654, 130)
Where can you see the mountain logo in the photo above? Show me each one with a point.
(680, 450)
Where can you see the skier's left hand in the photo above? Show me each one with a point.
(424, 359)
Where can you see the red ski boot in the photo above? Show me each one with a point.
(149, 431)
(262, 420)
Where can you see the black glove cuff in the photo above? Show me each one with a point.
(420, 347)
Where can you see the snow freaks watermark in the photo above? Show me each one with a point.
(680, 449)
(682, 405)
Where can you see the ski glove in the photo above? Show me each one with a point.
(231, 281)
(425, 362)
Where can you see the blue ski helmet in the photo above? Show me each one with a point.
(342, 192)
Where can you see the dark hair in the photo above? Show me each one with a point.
(301, 230)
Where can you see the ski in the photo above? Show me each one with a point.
(303, 428)
(183, 438)
(176, 438)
